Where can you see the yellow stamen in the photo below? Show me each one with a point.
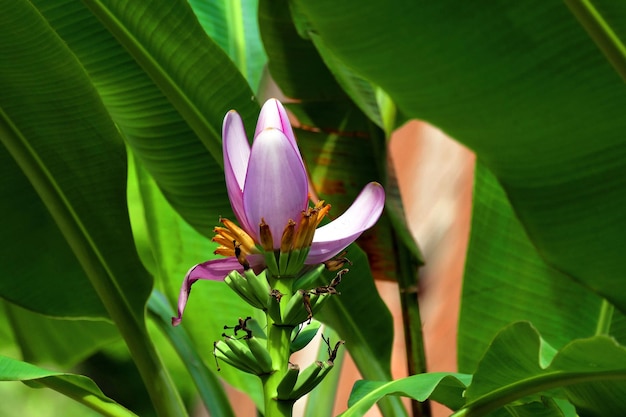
(240, 235)
(233, 241)
(224, 251)
(321, 213)
(286, 242)
(309, 220)
(313, 222)
(224, 240)
(265, 234)
(301, 233)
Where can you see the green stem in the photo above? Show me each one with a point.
(601, 33)
(412, 323)
(278, 345)
(605, 319)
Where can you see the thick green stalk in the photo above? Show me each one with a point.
(278, 345)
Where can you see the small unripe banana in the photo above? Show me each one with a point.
(285, 387)
(260, 353)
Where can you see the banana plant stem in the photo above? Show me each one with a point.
(412, 323)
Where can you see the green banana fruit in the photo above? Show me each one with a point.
(260, 353)
(285, 387)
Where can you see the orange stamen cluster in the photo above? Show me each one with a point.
(233, 241)
(303, 236)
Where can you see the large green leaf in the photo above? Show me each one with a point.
(38, 254)
(505, 273)
(446, 388)
(57, 130)
(524, 86)
(520, 375)
(184, 64)
(168, 94)
(77, 387)
(54, 125)
(518, 365)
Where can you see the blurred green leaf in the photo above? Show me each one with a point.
(544, 407)
(601, 32)
(77, 387)
(293, 62)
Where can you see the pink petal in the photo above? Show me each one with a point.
(215, 270)
(334, 237)
(276, 187)
(236, 156)
(274, 115)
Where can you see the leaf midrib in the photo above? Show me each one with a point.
(535, 384)
(177, 96)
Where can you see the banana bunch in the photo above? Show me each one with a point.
(252, 288)
(247, 354)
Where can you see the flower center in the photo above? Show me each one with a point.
(295, 241)
(303, 236)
